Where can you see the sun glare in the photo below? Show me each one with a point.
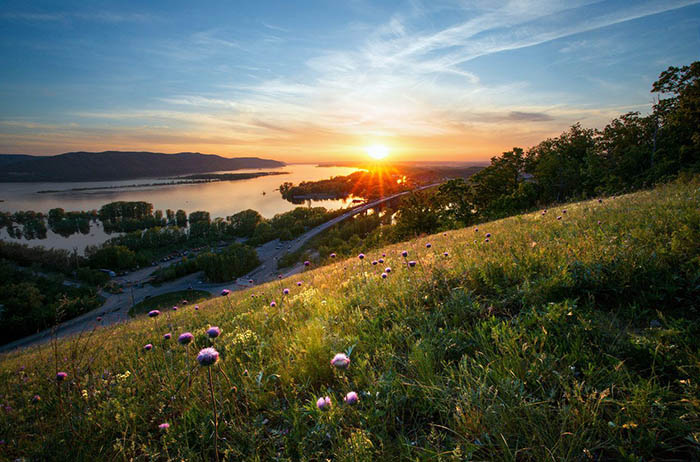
(377, 151)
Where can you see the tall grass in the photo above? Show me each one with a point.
(555, 340)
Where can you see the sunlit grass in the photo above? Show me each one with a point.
(570, 339)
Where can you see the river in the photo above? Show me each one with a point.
(221, 198)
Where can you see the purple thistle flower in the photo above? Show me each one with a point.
(428, 245)
(153, 313)
(374, 262)
(225, 292)
(207, 357)
(488, 234)
(99, 319)
(444, 234)
(487, 240)
(599, 222)
(412, 263)
(446, 254)
(559, 217)
(361, 256)
(148, 347)
(333, 255)
(185, 338)
(167, 336)
(341, 361)
(164, 426)
(384, 275)
(213, 332)
(36, 399)
(196, 307)
(273, 304)
(383, 255)
(476, 230)
(175, 308)
(563, 211)
(250, 281)
(600, 201)
(351, 398)
(285, 291)
(279, 276)
(323, 403)
(307, 263)
(61, 376)
(381, 260)
(404, 254)
(387, 269)
(298, 283)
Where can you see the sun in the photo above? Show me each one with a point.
(377, 151)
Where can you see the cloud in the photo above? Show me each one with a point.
(529, 116)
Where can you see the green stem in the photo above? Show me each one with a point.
(216, 418)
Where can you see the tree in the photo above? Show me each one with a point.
(679, 116)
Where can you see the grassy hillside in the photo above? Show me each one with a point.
(567, 335)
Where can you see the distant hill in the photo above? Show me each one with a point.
(119, 165)
(12, 158)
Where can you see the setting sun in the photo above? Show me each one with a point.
(377, 151)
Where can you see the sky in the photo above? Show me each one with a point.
(307, 81)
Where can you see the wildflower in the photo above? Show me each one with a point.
(36, 399)
(148, 347)
(599, 222)
(361, 256)
(428, 245)
(487, 240)
(446, 254)
(476, 230)
(341, 361)
(404, 254)
(323, 403)
(207, 357)
(307, 263)
(488, 234)
(213, 332)
(285, 291)
(196, 307)
(61, 376)
(412, 263)
(273, 304)
(279, 276)
(352, 398)
(332, 255)
(153, 313)
(185, 338)
(381, 260)
(387, 269)
(298, 283)
(559, 217)
(563, 211)
(374, 262)
(167, 336)
(175, 308)
(99, 319)
(164, 426)
(250, 281)
(600, 201)
(384, 275)
(225, 292)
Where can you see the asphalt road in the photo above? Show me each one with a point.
(116, 306)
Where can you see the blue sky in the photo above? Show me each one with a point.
(293, 80)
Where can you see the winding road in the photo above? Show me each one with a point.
(116, 307)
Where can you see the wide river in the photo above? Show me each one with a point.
(221, 199)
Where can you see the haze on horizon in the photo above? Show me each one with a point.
(322, 80)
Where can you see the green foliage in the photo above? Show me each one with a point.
(234, 261)
(29, 303)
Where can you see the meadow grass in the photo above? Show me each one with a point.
(557, 339)
(169, 300)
